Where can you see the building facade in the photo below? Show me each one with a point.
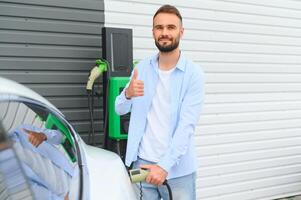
(249, 137)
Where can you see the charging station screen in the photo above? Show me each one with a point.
(118, 50)
(120, 55)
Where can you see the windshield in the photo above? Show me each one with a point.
(46, 150)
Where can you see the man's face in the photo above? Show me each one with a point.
(167, 31)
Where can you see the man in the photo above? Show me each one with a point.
(165, 97)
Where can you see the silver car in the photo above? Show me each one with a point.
(42, 156)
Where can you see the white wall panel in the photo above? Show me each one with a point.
(249, 138)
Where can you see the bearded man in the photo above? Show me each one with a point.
(165, 96)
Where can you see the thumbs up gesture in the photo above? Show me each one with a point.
(136, 87)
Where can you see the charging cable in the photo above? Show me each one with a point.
(101, 66)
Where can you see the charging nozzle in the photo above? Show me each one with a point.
(135, 62)
(101, 66)
(138, 175)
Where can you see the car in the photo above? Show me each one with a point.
(43, 157)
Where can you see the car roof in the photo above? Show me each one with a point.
(9, 87)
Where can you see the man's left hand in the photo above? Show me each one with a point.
(157, 174)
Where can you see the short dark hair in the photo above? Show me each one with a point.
(168, 9)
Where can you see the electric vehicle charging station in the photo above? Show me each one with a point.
(118, 51)
(115, 68)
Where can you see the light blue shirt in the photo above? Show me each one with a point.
(187, 96)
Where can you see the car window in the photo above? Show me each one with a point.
(45, 148)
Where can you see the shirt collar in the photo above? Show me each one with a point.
(181, 64)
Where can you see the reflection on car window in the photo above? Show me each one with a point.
(13, 184)
(45, 148)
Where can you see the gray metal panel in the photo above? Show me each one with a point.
(50, 46)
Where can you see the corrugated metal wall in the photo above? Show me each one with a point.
(249, 138)
(51, 46)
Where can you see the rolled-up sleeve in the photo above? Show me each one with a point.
(122, 104)
(54, 136)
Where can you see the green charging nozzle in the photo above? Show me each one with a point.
(138, 175)
(100, 67)
(135, 62)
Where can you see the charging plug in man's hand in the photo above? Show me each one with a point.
(136, 87)
(156, 176)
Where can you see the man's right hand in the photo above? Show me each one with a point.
(136, 87)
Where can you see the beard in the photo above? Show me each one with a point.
(168, 48)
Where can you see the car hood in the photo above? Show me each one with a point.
(108, 176)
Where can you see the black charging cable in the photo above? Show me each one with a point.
(164, 183)
(91, 109)
(169, 189)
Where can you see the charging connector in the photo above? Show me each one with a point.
(101, 66)
(139, 175)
